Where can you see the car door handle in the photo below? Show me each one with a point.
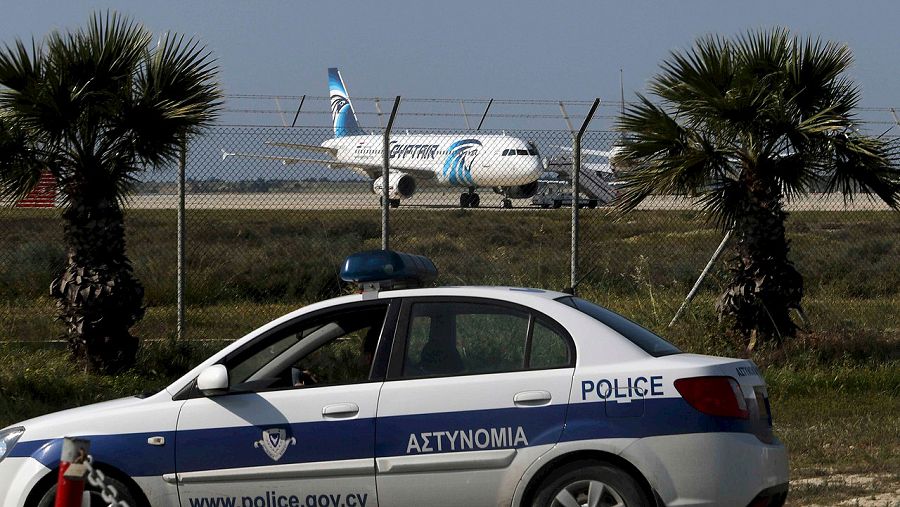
(532, 398)
(340, 410)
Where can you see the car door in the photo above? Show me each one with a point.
(477, 390)
(297, 425)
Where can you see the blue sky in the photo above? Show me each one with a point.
(478, 49)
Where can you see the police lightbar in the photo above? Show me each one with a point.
(386, 269)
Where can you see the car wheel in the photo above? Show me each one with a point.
(49, 498)
(590, 484)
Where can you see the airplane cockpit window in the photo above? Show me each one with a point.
(522, 152)
(505, 153)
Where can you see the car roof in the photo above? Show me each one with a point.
(485, 291)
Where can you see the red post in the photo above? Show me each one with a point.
(69, 490)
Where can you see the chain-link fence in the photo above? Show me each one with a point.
(272, 211)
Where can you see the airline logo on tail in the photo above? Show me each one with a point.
(342, 115)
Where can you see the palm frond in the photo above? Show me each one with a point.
(20, 168)
(177, 94)
(814, 76)
(865, 165)
(723, 201)
(662, 156)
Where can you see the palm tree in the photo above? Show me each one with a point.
(741, 127)
(97, 107)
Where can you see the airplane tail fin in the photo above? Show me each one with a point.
(342, 115)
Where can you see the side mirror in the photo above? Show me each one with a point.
(213, 380)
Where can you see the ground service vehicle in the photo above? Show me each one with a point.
(403, 396)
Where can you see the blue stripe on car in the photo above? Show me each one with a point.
(231, 447)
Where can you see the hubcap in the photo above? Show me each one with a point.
(588, 494)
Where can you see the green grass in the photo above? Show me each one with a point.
(286, 255)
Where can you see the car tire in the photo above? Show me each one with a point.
(49, 498)
(590, 483)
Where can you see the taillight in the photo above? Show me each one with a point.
(719, 396)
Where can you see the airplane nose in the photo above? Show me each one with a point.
(538, 168)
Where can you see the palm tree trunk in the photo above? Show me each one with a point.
(98, 297)
(764, 284)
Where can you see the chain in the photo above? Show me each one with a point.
(98, 479)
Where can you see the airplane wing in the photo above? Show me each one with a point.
(295, 160)
(371, 171)
(599, 153)
(306, 147)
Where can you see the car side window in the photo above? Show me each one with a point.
(464, 338)
(549, 349)
(331, 349)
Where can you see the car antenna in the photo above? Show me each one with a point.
(571, 290)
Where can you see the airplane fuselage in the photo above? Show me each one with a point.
(457, 160)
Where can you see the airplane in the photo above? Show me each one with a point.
(508, 165)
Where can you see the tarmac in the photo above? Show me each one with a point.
(441, 200)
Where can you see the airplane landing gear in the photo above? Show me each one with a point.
(506, 203)
(469, 199)
(393, 203)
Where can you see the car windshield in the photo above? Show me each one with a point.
(643, 338)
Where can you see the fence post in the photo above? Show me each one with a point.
(483, 116)
(576, 171)
(182, 163)
(385, 181)
(696, 287)
(462, 106)
(69, 489)
(297, 114)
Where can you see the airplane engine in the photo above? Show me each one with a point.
(519, 191)
(400, 186)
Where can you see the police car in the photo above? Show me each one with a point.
(410, 396)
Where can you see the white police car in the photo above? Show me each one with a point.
(477, 396)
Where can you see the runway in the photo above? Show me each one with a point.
(438, 200)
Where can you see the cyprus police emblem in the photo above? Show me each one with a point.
(275, 442)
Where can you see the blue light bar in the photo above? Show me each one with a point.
(388, 269)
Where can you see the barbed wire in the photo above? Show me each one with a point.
(413, 113)
(874, 116)
(451, 100)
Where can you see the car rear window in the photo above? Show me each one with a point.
(643, 338)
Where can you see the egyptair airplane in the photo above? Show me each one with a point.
(508, 165)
